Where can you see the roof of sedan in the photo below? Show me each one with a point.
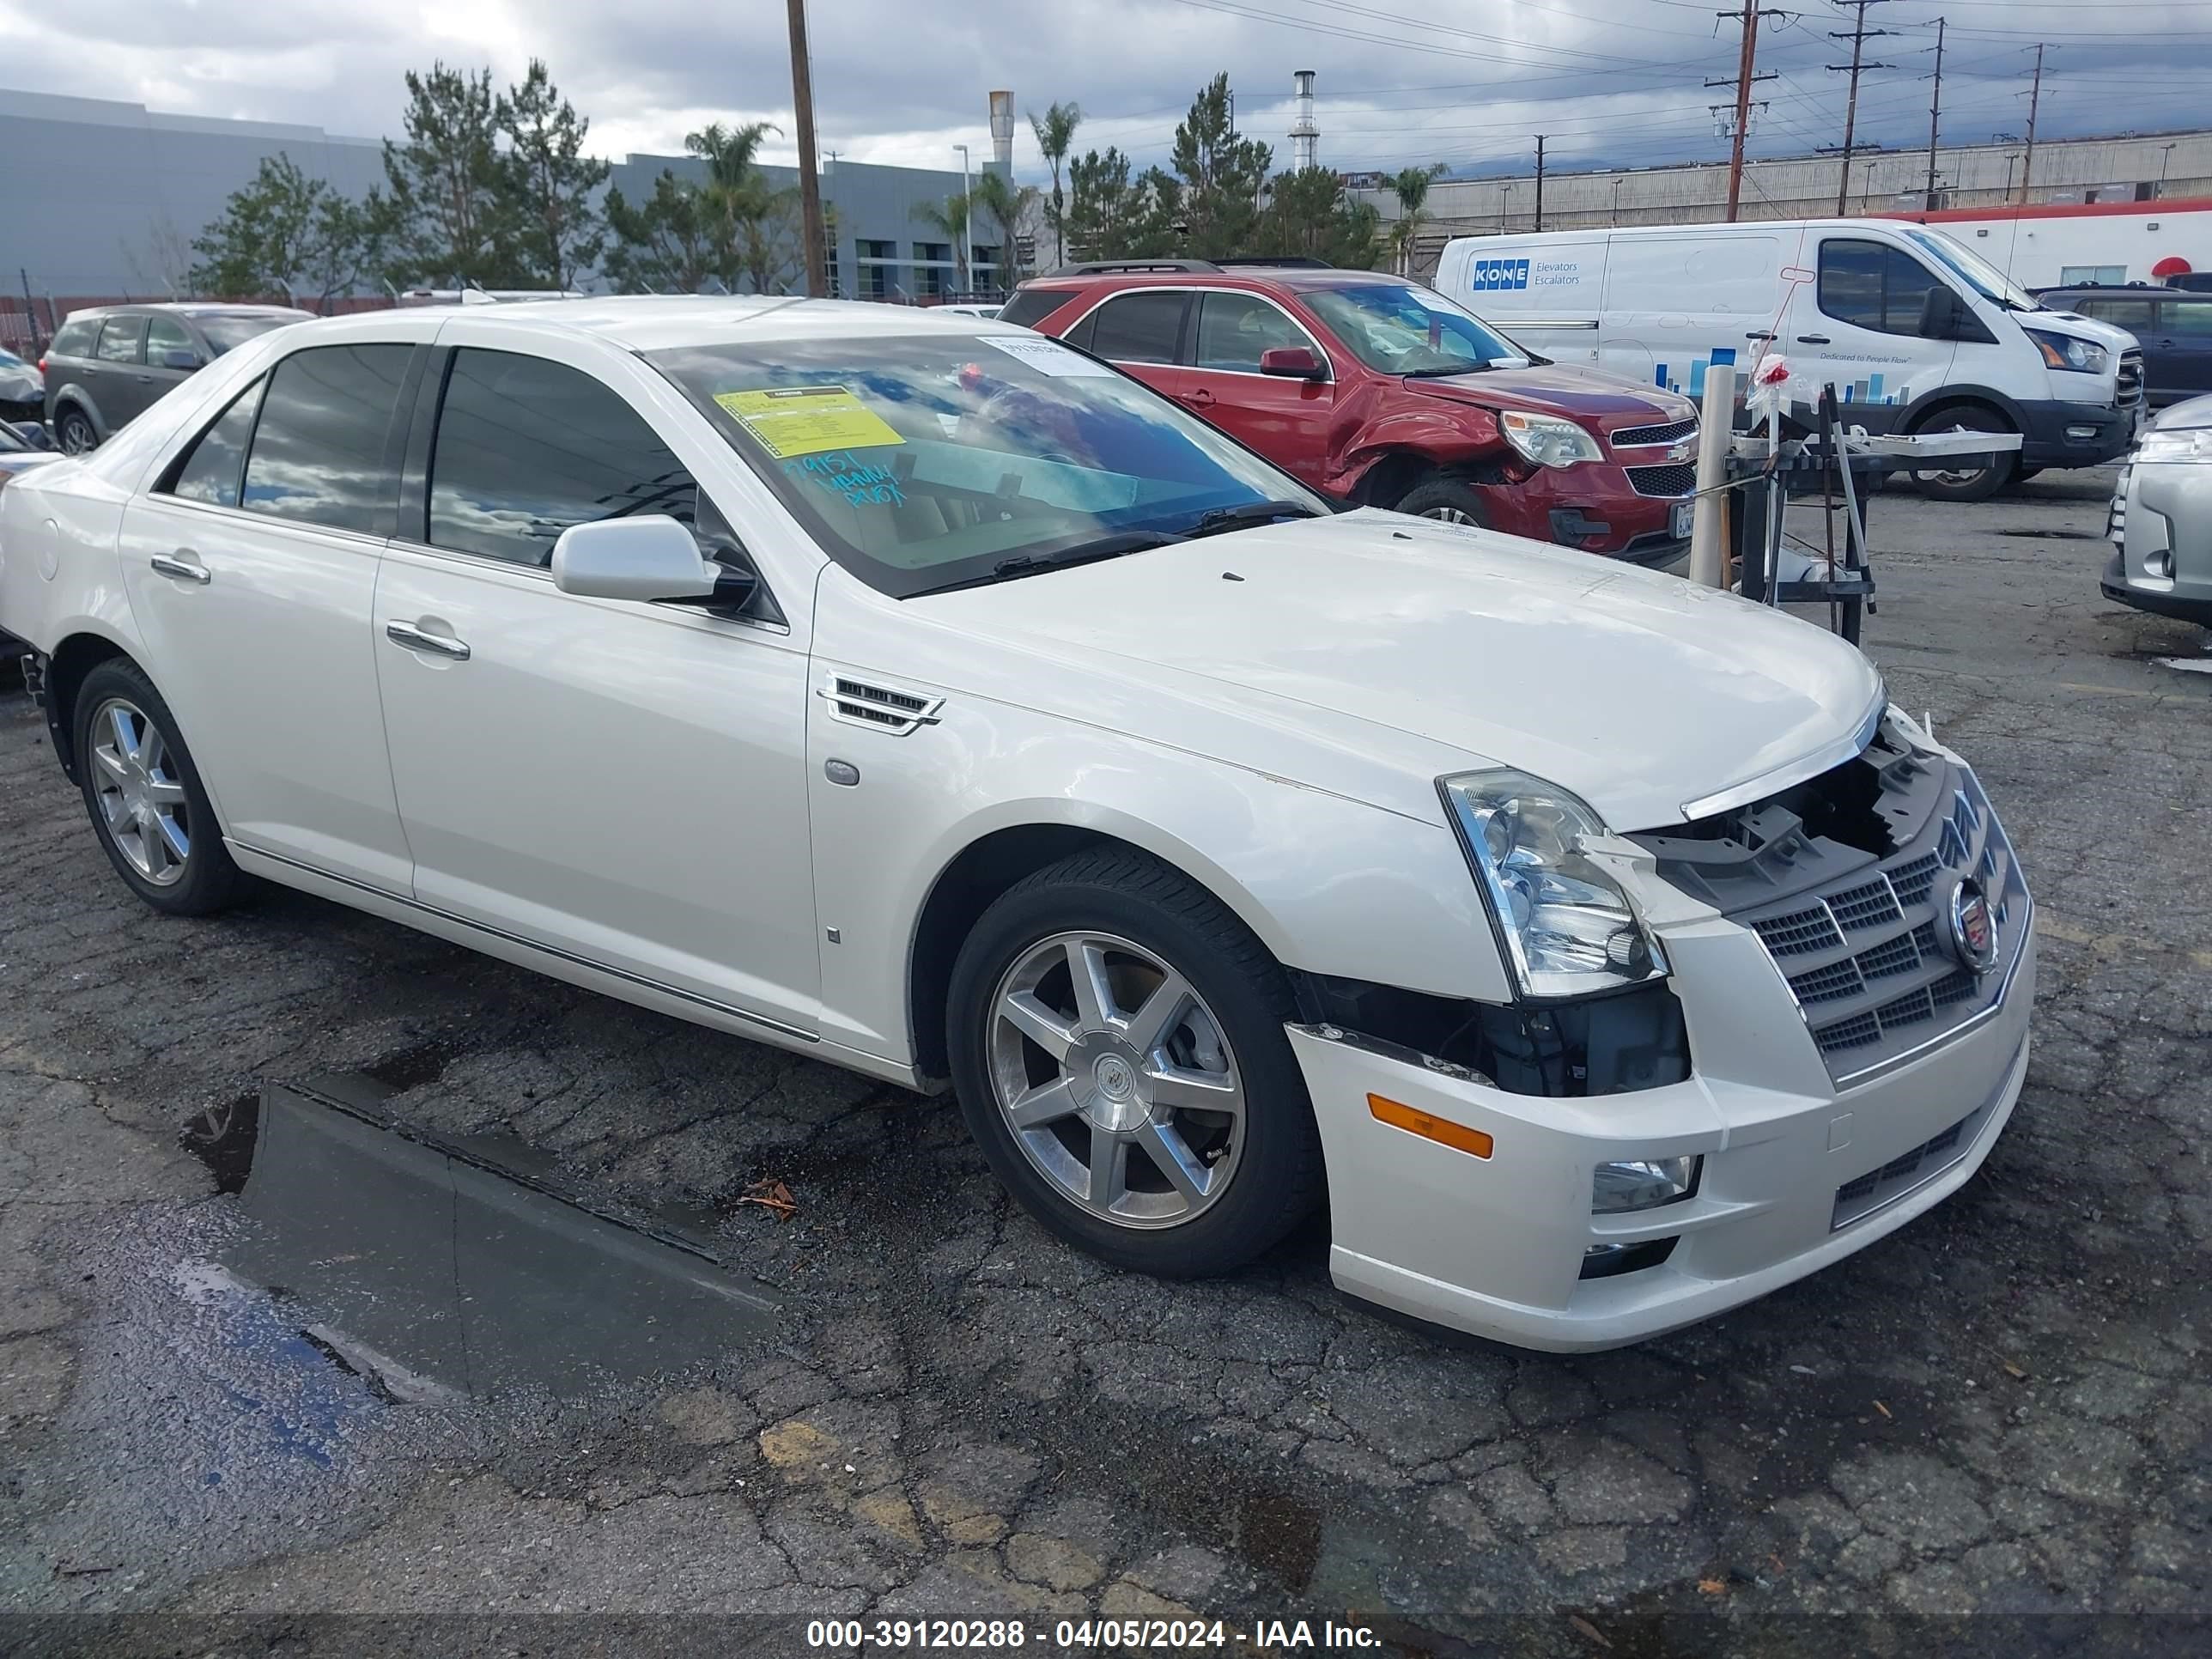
(658, 322)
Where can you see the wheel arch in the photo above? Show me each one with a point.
(74, 396)
(66, 667)
(1943, 398)
(998, 857)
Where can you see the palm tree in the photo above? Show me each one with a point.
(950, 219)
(1410, 186)
(749, 222)
(1005, 205)
(1055, 134)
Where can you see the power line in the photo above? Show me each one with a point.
(1859, 35)
(1745, 74)
(2034, 99)
(1935, 115)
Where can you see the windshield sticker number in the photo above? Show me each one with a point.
(789, 422)
(849, 478)
(1049, 357)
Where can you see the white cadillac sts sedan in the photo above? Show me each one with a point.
(926, 696)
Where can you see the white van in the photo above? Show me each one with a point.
(1917, 331)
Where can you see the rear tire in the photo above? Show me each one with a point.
(1959, 484)
(1448, 501)
(74, 432)
(1152, 1113)
(144, 795)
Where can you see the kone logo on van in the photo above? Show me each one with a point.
(1491, 275)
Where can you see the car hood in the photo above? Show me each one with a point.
(1643, 694)
(1589, 395)
(2185, 417)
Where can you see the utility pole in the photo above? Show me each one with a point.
(2034, 97)
(1858, 37)
(810, 182)
(1935, 115)
(1540, 180)
(1747, 58)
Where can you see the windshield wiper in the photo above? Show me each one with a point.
(1249, 514)
(1455, 369)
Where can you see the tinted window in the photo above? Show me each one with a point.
(76, 339)
(1034, 305)
(526, 448)
(1139, 328)
(318, 452)
(1234, 329)
(2192, 322)
(227, 330)
(2134, 315)
(167, 334)
(119, 337)
(210, 470)
(1874, 286)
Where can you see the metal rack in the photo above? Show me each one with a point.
(1760, 471)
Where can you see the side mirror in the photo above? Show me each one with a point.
(1939, 313)
(1293, 363)
(650, 557)
(187, 360)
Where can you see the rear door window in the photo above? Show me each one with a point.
(164, 335)
(526, 448)
(1140, 328)
(120, 338)
(2133, 315)
(210, 470)
(320, 453)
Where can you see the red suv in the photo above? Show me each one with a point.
(1380, 393)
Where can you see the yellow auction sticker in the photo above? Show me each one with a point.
(808, 420)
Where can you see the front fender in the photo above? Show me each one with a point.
(1328, 884)
(1444, 434)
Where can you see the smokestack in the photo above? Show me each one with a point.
(1002, 129)
(1305, 136)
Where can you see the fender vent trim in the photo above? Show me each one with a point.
(891, 709)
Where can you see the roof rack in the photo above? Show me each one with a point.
(1130, 267)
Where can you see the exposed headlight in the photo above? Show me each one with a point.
(1568, 928)
(1547, 440)
(2195, 445)
(2064, 351)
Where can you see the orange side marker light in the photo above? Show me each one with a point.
(1444, 1131)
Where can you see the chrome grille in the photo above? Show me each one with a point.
(1857, 1199)
(1677, 480)
(2129, 387)
(2116, 515)
(1868, 960)
(1646, 437)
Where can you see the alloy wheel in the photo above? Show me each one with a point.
(76, 435)
(1450, 516)
(1116, 1080)
(141, 799)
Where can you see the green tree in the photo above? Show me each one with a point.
(752, 227)
(1055, 136)
(1115, 213)
(949, 218)
(550, 184)
(1310, 215)
(1410, 186)
(663, 244)
(999, 203)
(451, 215)
(287, 232)
(1222, 173)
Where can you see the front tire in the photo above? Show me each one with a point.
(144, 795)
(1961, 483)
(74, 432)
(1116, 1038)
(1448, 501)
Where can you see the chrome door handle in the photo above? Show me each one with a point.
(415, 639)
(184, 564)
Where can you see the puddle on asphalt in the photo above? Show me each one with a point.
(446, 1269)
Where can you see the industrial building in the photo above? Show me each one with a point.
(2150, 167)
(100, 200)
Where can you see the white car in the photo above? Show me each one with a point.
(1602, 949)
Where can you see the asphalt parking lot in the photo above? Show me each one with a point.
(903, 1400)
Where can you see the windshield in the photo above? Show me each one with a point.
(1399, 329)
(227, 330)
(923, 463)
(1978, 274)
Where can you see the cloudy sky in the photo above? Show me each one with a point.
(1463, 81)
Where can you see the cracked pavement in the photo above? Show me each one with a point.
(2003, 1409)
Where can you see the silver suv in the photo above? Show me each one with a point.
(107, 365)
(2161, 523)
